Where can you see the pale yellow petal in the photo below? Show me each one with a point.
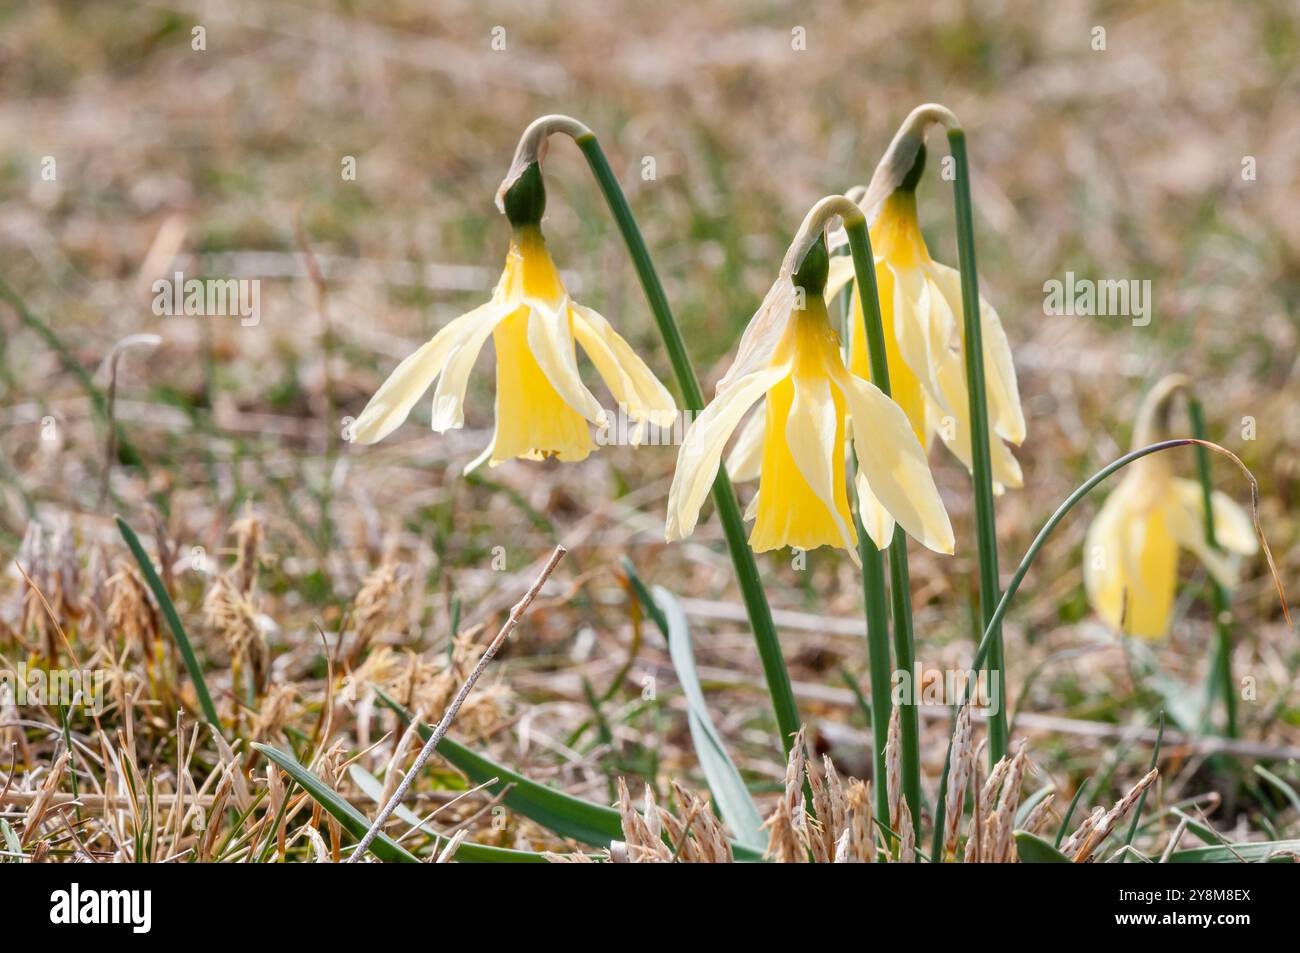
(905, 388)
(701, 451)
(392, 403)
(894, 464)
(875, 518)
(746, 456)
(913, 328)
(533, 420)
(954, 427)
(550, 337)
(791, 511)
(1231, 526)
(628, 378)
(1234, 530)
(1006, 417)
(811, 433)
(449, 396)
(1153, 554)
(1131, 561)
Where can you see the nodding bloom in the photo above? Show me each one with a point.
(1130, 558)
(921, 310)
(542, 406)
(790, 355)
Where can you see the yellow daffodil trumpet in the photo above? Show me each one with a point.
(790, 355)
(542, 406)
(1130, 567)
(921, 308)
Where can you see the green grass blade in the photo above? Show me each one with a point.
(1034, 850)
(1221, 669)
(1287, 791)
(1238, 853)
(1028, 804)
(729, 790)
(353, 821)
(467, 852)
(568, 816)
(1142, 799)
(173, 622)
(562, 813)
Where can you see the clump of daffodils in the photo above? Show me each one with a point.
(790, 355)
(921, 310)
(543, 408)
(1130, 566)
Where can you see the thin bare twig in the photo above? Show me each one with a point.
(512, 620)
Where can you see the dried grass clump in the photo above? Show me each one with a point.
(427, 683)
(232, 608)
(840, 828)
(657, 836)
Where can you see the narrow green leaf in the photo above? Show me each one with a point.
(1221, 658)
(468, 852)
(562, 813)
(373, 788)
(1155, 760)
(388, 850)
(11, 839)
(568, 816)
(1286, 789)
(1237, 853)
(728, 787)
(1034, 850)
(353, 821)
(1028, 804)
(1207, 835)
(173, 621)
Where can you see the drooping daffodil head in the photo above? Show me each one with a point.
(543, 408)
(921, 311)
(790, 355)
(1130, 559)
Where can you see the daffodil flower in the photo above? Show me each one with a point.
(1130, 566)
(542, 406)
(921, 308)
(790, 355)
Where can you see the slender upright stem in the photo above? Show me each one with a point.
(876, 604)
(899, 584)
(729, 515)
(1221, 664)
(981, 466)
(875, 600)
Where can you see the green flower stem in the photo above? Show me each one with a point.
(733, 526)
(981, 467)
(1221, 664)
(995, 621)
(899, 585)
(876, 602)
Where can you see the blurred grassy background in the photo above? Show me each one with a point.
(1122, 163)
